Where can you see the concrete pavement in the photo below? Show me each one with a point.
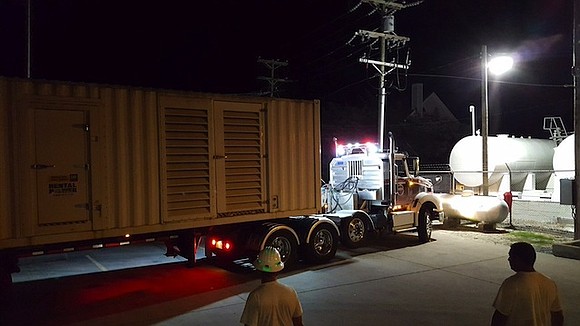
(449, 281)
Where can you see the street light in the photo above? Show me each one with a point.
(496, 65)
(472, 111)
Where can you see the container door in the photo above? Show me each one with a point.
(187, 146)
(61, 166)
(239, 158)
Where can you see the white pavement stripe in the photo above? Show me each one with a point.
(99, 265)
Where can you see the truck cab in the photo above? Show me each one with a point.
(371, 190)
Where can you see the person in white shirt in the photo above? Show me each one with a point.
(272, 303)
(528, 297)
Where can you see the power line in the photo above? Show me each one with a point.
(327, 31)
(349, 85)
(493, 81)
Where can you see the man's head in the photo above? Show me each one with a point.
(522, 257)
(269, 260)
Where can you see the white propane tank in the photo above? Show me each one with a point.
(564, 158)
(563, 164)
(521, 154)
(466, 206)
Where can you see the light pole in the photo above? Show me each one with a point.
(497, 65)
(472, 111)
(484, 120)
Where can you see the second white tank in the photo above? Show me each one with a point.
(521, 155)
(564, 158)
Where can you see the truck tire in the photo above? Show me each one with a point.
(425, 227)
(354, 232)
(322, 244)
(287, 245)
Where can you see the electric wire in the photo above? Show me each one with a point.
(322, 33)
(493, 81)
(338, 191)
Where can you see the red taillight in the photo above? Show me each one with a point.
(221, 244)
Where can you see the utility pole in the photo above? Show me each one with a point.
(28, 39)
(388, 40)
(272, 80)
(576, 72)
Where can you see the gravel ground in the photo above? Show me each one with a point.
(540, 235)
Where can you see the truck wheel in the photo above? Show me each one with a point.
(353, 232)
(425, 227)
(322, 245)
(286, 243)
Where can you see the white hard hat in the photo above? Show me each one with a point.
(269, 260)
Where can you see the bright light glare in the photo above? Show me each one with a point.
(340, 150)
(371, 148)
(500, 64)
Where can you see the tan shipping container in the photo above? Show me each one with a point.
(85, 161)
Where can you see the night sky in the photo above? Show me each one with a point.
(213, 46)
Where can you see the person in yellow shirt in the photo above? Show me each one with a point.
(272, 303)
(528, 297)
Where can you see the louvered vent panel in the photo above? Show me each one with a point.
(355, 168)
(187, 162)
(242, 140)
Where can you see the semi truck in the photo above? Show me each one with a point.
(87, 166)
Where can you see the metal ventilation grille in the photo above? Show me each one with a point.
(243, 164)
(187, 162)
(355, 168)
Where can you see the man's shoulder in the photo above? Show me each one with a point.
(538, 276)
(545, 278)
(273, 285)
(271, 289)
(281, 285)
(525, 277)
(278, 287)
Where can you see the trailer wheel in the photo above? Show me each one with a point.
(354, 232)
(286, 243)
(322, 245)
(425, 228)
